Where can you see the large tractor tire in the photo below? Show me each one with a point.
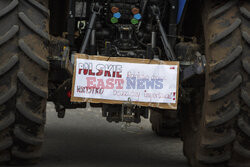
(165, 123)
(221, 136)
(24, 69)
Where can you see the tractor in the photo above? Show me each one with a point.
(209, 38)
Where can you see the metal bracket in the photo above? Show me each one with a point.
(81, 25)
(128, 117)
(167, 47)
(95, 11)
(127, 114)
(66, 63)
(197, 68)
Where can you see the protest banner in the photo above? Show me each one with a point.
(115, 80)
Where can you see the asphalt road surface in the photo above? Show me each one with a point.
(84, 139)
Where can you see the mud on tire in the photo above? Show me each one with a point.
(23, 79)
(223, 133)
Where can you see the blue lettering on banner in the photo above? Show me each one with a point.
(131, 83)
(134, 83)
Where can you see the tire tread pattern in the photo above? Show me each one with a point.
(8, 67)
(217, 132)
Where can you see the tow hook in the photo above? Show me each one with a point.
(60, 111)
(127, 111)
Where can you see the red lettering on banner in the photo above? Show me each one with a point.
(107, 74)
(114, 71)
(104, 84)
(100, 83)
(85, 71)
(90, 82)
(100, 72)
(118, 75)
(120, 83)
(113, 74)
(91, 73)
(110, 84)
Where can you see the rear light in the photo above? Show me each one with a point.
(69, 94)
(114, 9)
(137, 16)
(135, 11)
